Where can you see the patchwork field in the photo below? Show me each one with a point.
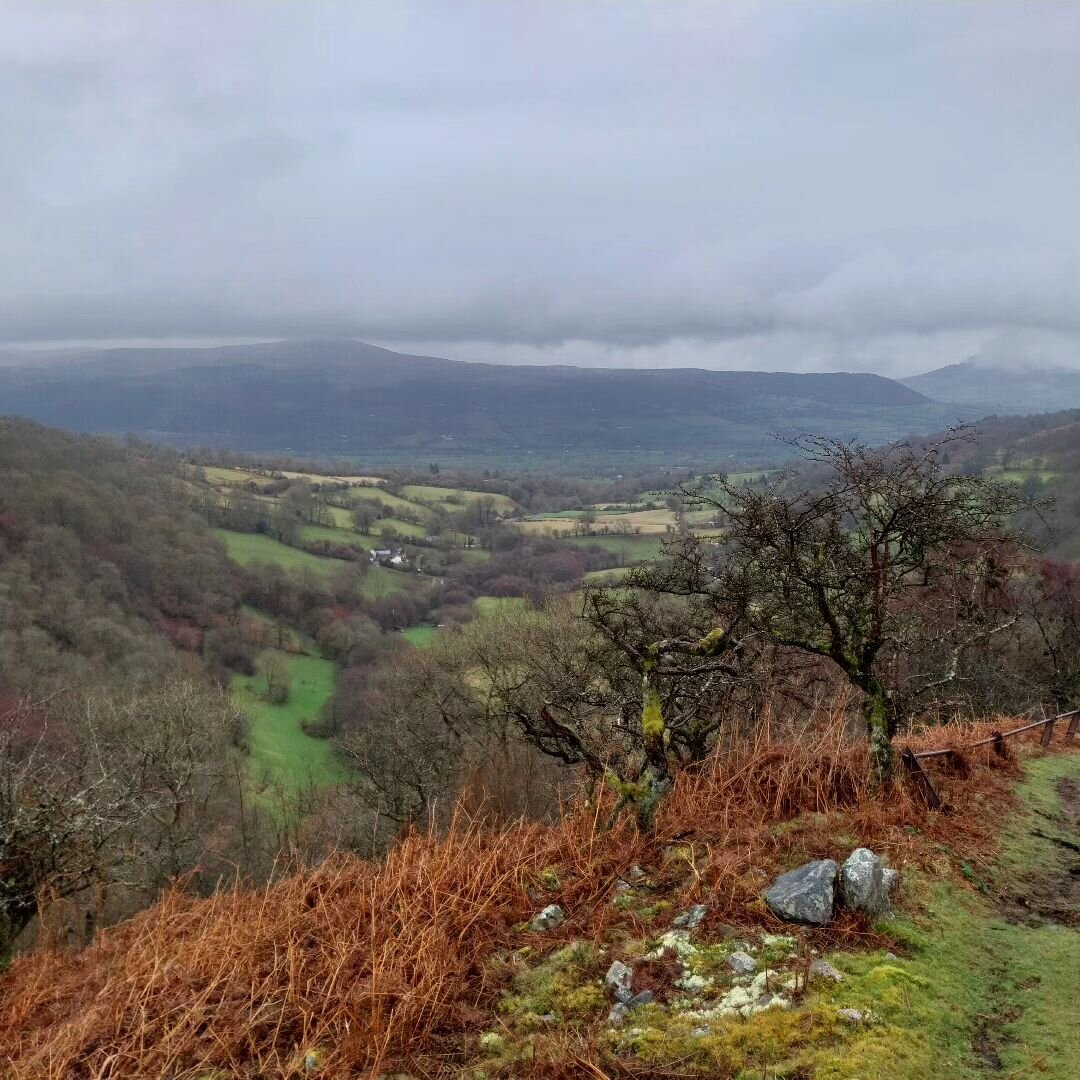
(248, 549)
(449, 498)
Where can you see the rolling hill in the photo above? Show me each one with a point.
(355, 400)
(998, 390)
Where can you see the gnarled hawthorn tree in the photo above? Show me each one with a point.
(868, 557)
(575, 689)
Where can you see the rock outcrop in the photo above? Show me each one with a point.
(805, 895)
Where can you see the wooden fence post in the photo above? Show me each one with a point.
(1048, 732)
(1074, 723)
(922, 781)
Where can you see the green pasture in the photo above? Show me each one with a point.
(419, 635)
(379, 582)
(279, 751)
(248, 549)
(490, 605)
(311, 533)
(448, 497)
(368, 494)
(628, 549)
(404, 528)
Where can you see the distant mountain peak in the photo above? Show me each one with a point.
(1000, 387)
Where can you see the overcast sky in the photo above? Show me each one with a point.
(878, 185)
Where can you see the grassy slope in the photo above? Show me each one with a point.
(628, 549)
(977, 991)
(419, 635)
(449, 497)
(280, 751)
(249, 548)
(335, 536)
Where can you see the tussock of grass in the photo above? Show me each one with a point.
(394, 966)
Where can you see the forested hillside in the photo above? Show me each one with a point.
(1041, 455)
(347, 398)
(103, 563)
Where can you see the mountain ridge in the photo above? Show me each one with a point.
(362, 400)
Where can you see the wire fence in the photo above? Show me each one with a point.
(911, 762)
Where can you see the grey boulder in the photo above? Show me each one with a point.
(804, 895)
(618, 981)
(690, 919)
(865, 883)
(547, 919)
(742, 963)
(822, 969)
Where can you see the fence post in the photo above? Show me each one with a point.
(922, 781)
(1074, 723)
(1048, 731)
(999, 744)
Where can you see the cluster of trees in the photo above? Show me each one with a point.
(880, 571)
(122, 621)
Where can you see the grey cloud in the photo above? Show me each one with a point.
(745, 184)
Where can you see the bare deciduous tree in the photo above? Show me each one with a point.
(868, 557)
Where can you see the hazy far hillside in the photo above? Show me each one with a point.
(350, 398)
(1000, 390)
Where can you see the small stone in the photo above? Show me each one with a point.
(547, 919)
(804, 895)
(618, 980)
(547, 1018)
(863, 885)
(617, 1014)
(701, 1032)
(891, 956)
(850, 1016)
(646, 997)
(690, 919)
(822, 969)
(742, 963)
(635, 873)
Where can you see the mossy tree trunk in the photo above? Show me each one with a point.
(655, 781)
(878, 720)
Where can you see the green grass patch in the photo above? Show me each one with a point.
(280, 752)
(405, 528)
(474, 555)
(419, 635)
(628, 549)
(451, 497)
(248, 549)
(977, 991)
(489, 605)
(614, 575)
(364, 494)
(311, 533)
(379, 581)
